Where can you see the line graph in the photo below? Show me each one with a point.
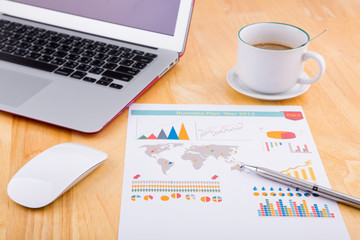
(218, 131)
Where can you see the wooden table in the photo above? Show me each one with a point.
(91, 209)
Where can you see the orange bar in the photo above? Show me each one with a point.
(324, 212)
(303, 173)
(290, 212)
(272, 209)
(312, 174)
(306, 209)
(297, 175)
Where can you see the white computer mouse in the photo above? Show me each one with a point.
(51, 173)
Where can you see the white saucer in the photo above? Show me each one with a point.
(236, 83)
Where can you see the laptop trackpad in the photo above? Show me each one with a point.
(16, 87)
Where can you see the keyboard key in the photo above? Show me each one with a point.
(33, 55)
(71, 64)
(97, 63)
(143, 59)
(89, 79)
(77, 50)
(45, 58)
(117, 75)
(58, 61)
(78, 75)
(87, 40)
(138, 52)
(112, 46)
(110, 66)
(127, 62)
(21, 52)
(85, 60)
(72, 57)
(48, 51)
(101, 56)
(104, 81)
(127, 70)
(24, 45)
(78, 44)
(35, 48)
(96, 70)
(64, 48)
(89, 53)
(127, 55)
(64, 71)
(103, 49)
(53, 45)
(140, 65)
(67, 41)
(152, 55)
(100, 43)
(8, 49)
(60, 54)
(125, 49)
(40, 42)
(117, 86)
(91, 47)
(114, 59)
(27, 62)
(83, 67)
(115, 52)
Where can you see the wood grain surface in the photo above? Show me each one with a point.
(91, 209)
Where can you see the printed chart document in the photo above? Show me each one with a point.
(182, 175)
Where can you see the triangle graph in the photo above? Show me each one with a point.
(172, 135)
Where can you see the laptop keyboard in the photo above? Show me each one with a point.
(78, 58)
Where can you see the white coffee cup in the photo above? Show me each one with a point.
(274, 71)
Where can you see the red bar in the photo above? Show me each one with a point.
(298, 148)
(262, 209)
(296, 210)
(267, 147)
(307, 150)
(314, 212)
(279, 208)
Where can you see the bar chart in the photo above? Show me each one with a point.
(293, 209)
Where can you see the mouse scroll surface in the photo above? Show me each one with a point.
(52, 172)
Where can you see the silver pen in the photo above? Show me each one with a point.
(304, 185)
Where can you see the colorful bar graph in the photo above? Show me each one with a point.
(295, 210)
(173, 135)
(272, 146)
(305, 172)
(298, 148)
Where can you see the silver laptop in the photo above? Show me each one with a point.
(79, 63)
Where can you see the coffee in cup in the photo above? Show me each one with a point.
(271, 56)
(272, 46)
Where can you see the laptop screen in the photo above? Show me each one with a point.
(156, 15)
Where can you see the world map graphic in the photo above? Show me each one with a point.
(166, 155)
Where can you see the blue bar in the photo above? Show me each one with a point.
(327, 210)
(300, 211)
(282, 207)
(266, 211)
(292, 208)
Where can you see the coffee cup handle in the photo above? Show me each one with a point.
(321, 62)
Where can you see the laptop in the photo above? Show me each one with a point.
(79, 63)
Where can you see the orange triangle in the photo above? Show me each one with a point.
(183, 134)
